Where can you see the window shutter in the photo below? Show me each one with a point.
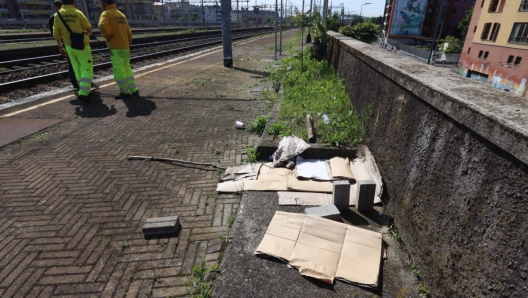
(496, 33)
(501, 5)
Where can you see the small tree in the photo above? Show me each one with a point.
(194, 17)
(455, 45)
(365, 32)
(463, 24)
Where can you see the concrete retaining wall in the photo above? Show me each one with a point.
(453, 154)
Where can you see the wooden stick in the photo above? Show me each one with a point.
(309, 128)
(175, 160)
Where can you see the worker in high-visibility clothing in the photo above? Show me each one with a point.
(81, 60)
(113, 26)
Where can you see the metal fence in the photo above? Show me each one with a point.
(446, 58)
(409, 49)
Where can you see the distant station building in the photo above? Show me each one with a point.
(496, 47)
(34, 13)
(416, 20)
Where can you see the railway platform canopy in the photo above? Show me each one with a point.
(72, 205)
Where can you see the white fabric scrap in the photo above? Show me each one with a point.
(312, 169)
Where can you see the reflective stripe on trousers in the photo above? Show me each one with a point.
(122, 71)
(82, 64)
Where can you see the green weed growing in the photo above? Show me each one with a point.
(316, 91)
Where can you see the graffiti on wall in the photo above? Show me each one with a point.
(499, 80)
(408, 17)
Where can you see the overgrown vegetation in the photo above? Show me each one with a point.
(257, 126)
(251, 154)
(280, 129)
(366, 32)
(454, 45)
(202, 279)
(316, 91)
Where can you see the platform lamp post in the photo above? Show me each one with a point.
(361, 11)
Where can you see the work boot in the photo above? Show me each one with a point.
(136, 93)
(95, 86)
(123, 96)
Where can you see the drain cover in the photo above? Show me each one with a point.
(12, 129)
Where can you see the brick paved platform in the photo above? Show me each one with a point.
(72, 205)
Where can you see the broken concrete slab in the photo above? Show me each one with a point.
(161, 226)
(326, 211)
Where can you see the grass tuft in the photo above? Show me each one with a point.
(202, 278)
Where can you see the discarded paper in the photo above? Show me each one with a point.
(312, 169)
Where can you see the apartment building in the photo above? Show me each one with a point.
(496, 47)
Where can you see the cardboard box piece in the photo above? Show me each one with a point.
(324, 249)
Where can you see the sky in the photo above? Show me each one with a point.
(376, 8)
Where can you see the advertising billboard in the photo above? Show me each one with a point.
(408, 17)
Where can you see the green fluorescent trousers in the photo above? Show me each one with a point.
(82, 64)
(122, 71)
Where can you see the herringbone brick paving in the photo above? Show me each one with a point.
(72, 205)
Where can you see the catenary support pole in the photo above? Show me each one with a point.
(435, 31)
(281, 20)
(226, 32)
(276, 17)
(302, 37)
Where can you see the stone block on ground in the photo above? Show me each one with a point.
(326, 211)
(341, 194)
(161, 226)
(366, 190)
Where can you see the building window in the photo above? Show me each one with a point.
(475, 29)
(481, 5)
(519, 33)
(510, 59)
(485, 31)
(494, 32)
(486, 55)
(469, 50)
(496, 5)
(517, 61)
(480, 54)
(490, 32)
(524, 5)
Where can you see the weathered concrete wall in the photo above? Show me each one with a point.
(453, 154)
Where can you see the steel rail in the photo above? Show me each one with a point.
(5, 87)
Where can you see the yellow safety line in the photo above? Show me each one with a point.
(113, 83)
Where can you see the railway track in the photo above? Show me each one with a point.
(28, 72)
(43, 36)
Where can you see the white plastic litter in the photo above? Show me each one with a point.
(289, 147)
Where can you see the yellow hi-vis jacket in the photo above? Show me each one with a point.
(76, 20)
(114, 28)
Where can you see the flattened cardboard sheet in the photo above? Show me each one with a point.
(304, 198)
(361, 172)
(263, 184)
(340, 167)
(248, 172)
(309, 185)
(324, 249)
(281, 236)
